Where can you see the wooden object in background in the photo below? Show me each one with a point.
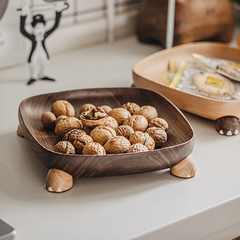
(19, 131)
(185, 169)
(42, 141)
(227, 126)
(146, 75)
(58, 181)
(194, 20)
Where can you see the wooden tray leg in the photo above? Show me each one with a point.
(227, 126)
(185, 169)
(58, 181)
(19, 131)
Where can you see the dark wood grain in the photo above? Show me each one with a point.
(179, 145)
(227, 125)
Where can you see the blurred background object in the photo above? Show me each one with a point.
(3, 6)
(195, 20)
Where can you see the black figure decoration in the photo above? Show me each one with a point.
(38, 52)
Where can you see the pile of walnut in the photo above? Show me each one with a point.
(101, 130)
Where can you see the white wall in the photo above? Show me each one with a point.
(84, 23)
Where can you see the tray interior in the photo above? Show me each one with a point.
(31, 110)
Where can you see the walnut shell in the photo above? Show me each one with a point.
(125, 131)
(64, 147)
(59, 118)
(67, 124)
(93, 117)
(48, 120)
(137, 147)
(143, 138)
(148, 112)
(85, 106)
(117, 144)
(106, 108)
(111, 122)
(73, 134)
(81, 141)
(62, 107)
(120, 114)
(137, 123)
(158, 135)
(93, 149)
(102, 134)
(131, 107)
(160, 123)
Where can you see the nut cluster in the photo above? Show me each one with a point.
(105, 130)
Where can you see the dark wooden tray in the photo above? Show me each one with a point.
(179, 145)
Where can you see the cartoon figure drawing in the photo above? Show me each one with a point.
(39, 52)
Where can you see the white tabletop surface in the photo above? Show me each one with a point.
(153, 205)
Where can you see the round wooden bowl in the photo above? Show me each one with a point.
(179, 145)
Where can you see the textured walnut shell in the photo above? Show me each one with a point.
(125, 131)
(67, 124)
(143, 138)
(160, 123)
(48, 120)
(117, 144)
(137, 123)
(93, 149)
(106, 108)
(62, 107)
(148, 112)
(111, 122)
(120, 114)
(80, 142)
(102, 134)
(64, 147)
(131, 107)
(137, 147)
(73, 134)
(85, 106)
(59, 118)
(158, 135)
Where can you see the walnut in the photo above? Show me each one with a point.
(48, 120)
(102, 134)
(67, 124)
(158, 135)
(62, 107)
(137, 147)
(117, 144)
(59, 118)
(106, 108)
(73, 134)
(120, 114)
(131, 107)
(81, 141)
(137, 123)
(148, 112)
(93, 117)
(111, 122)
(125, 131)
(64, 147)
(93, 149)
(143, 138)
(85, 106)
(160, 123)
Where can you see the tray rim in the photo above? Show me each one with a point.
(136, 74)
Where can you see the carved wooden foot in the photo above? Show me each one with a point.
(58, 181)
(185, 169)
(227, 126)
(19, 131)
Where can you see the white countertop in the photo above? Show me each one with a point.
(153, 205)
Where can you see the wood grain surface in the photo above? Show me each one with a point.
(146, 75)
(179, 145)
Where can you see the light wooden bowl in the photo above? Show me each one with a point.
(178, 147)
(146, 75)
